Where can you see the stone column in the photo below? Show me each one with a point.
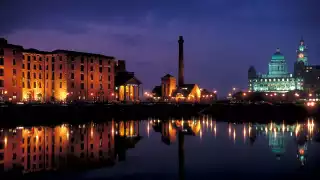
(138, 98)
(129, 92)
(124, 92)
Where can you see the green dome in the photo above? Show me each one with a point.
(278, 55)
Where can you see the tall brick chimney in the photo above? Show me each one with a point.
(181, 63)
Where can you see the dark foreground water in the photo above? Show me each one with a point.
(152, 149)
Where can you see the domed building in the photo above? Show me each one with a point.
(278, 79)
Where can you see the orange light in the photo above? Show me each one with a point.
(244, 94)
(301, 151)
(310, 94)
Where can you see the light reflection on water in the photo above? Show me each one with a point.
(155, 146)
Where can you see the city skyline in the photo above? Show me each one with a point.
(145, 35)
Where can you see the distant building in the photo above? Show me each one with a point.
(187, 93)
(305, 78)
(127, 85)
(60, 75)
(168, 86)
(309, 73)
(207, 96)
(276, 80)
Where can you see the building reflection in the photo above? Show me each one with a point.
(169, 129)
(32, 149)
(127, 135)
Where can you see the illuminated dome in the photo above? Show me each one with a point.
(277, 55)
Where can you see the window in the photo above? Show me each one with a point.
(60, 67)
(72, 85)
(40, 59)
(23, 66)
(28, 67)
(91, 68)
(60, 75)
(28, 75)
(14, 52)
(52, 60)
(82, 77)
(109, 62)
(82, 146)
(1, 72)
(34, 85)
(14, 62)
(101, 87)
(60, 84)
(28, 84)
(14, 72)
(100, 69)
(35, 67)
(100, 78)
(109, 69)
(72, 75)
(47, 67)
(40, 85)
(40, 67)
(109, 78)
(100, 62)
(23, 86)
(34, 58)
(82, 60)
(1, 83)
(40, 76)
(109, 86)
(1, 61)
(52, 75)
(60, 58)
(91, 86)
(14, 82)
(82, 68)
(52, 67)
(91, 76)
(28, 57)
(34, 75)
(82, 85)
(72, 66)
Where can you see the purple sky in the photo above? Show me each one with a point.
(222, 37)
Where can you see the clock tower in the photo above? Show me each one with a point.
(302, 53)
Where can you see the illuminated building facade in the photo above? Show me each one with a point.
(60, 75)
(309, 73)
(276, 80)
(127, 85)
(45, 148)
(168, 86)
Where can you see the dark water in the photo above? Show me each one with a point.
(177, 149)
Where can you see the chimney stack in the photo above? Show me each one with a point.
(181, 63)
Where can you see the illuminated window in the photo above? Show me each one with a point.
(82, 85)
(40, 67)
(60, 84)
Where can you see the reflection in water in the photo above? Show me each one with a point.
(277, 134)
(31, 149)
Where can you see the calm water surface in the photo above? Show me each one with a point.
(175, 149)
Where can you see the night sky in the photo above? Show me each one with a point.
(222, 37)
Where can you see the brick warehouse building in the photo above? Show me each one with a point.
(60, 75)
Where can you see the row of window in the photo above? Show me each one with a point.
(60, 59)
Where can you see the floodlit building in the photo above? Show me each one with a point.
(60, 75)
(306, 77)
(278, 79)
(127, 85)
